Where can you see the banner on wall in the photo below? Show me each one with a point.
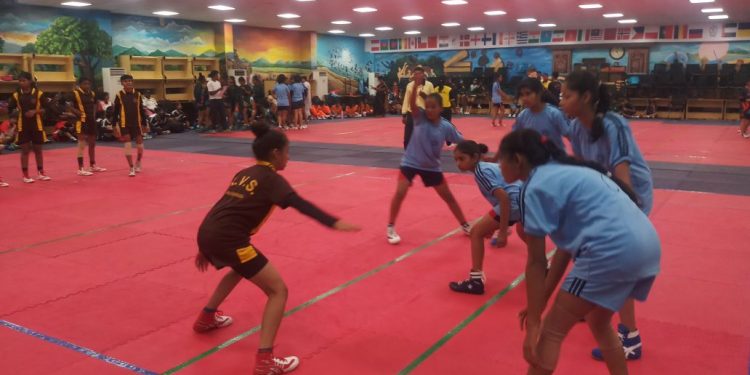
(634, 34)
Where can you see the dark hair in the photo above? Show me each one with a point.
(583, 82)
(84, 79)
(418, 69)
(126, 77)
(437, 97)
(267, 140)
(531, 84)
(531, 70)
(241, 79)
(213, 74)
(538, 151)
(441, 83)
(201, 78)
(25, 75)
(296, 78)
(555, 75)
(472, 148)
(281, 78)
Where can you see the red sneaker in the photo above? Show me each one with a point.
(211, 321)
(267, 364)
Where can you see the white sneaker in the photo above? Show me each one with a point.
(466, 228)
(746, 135)
(393, 237)
(138, 167)
(97, 169)
(28, 180)
(304, 126)
(4, 184)
(132, 172)
(83, 172)
(42, 177)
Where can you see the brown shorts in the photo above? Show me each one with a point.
(245, 260)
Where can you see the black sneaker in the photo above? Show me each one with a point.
(469, 286)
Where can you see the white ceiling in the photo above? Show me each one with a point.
(317, 15)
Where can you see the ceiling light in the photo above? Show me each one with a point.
(547, 25)
(455, 2)
(451, 24)
(495, 12)
(287, 15)
(526, 20)
(291, 26)
(475, 28)
(412, 17)
(220, 7)
(384, 28)
(718, 17)
(412, 32)
(77, 4)
(165, 13)
(590, 6)
(367, 35)
(712, 10)
(304, 1)
(341, 22)
(628, 21)
(235, 20)
(613, 15)
(701, 1)
(336, 31)
(365, 9)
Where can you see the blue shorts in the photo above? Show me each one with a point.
(608, 294)
(495, 214)
(429, 178)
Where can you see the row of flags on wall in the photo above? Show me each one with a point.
(521, 38)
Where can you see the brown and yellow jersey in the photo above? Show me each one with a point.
(85, 104)
(21, 102)
(128, 109)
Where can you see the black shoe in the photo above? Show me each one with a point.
(469, 286)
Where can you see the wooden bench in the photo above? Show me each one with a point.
(704, 109)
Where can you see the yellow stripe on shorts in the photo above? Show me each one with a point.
(247, 254)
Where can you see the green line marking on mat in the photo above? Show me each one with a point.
(314, 300)
(463, 324)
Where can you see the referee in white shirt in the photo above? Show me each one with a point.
(216, 102)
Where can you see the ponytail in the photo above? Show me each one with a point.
(472, 148)
(586, 82)
(538, 150)
(266, 140)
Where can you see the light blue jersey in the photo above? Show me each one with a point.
(423, 151)
(496, 97)
(586, 214)
(616, 146)
(489, 178)
(549, 122)
(298, 92)
(282, 94)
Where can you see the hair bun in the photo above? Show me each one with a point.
(483, 149)
(260, 129)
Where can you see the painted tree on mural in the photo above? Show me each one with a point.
(75, 36)
(2, 44)
(28, 48)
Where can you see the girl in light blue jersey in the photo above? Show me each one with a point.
(605, 137)
(505, 210)
(592, 219)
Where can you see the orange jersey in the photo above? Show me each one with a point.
(325, 109)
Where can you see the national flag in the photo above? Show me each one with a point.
(509, 39)
(385, 45)
(682, 32)
(465, 41)
(651, 32)
(421, 42)
(413, 43)
(610, 34)
(395, 44)
(743, 30)
(695, 33)
(522, 37)
(595, 34)
(581, 35)
(638, 32)
(432, 42)
(499, 39)
(571, 35)
(623, 33)
(667, 32)
(546, 37)
(489, 38)
(558, 36)
(533, 37)
(374, 45)
(729, 30)
(444, 41)
(475, 40)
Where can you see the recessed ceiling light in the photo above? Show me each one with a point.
(365, 9)
(547, 25)
(526, 20)
(341, 22)
(165, 13)
(455, 2)
(630, 20)
(77, 4)
(495, 12)
(367, 35)
(383, 28)
(414, 17)
(475, 28)
(220, 7)
(701, 1)
(712, 10)
(451, 24)
(235, 20)
(287, 15)
(590, 6)
(718, 17)
(613, 15)
(336, 31)
(412, 32)
(291, 26)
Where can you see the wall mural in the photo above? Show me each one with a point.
(147, 36)
(269, 52)
(580, 55)
(695, 53)
(345, 61)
